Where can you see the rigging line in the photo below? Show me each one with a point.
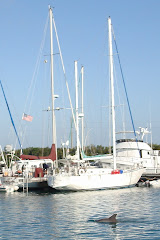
(10, 115)
(70, 132)
(37, 66)
(34, 74)
(126, 93)
(20, 126)
(38, 61)
(64, 73)
(124, 85)
(118, 92)
(150, 123)
(42, 114)
(63, 114)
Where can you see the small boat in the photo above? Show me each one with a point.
(8, 188)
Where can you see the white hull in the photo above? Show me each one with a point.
(95, 181)
(8, 188)
(8, 184)
(155, 183)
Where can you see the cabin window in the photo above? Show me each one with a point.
(140, 153)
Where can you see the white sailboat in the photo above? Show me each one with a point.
(79, 174)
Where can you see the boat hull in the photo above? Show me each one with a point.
(30, 183)
(155, 183)
(33, 183)
(94, 181)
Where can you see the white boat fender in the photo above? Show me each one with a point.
(81, 172)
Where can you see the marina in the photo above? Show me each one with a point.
(88, 107)
(131, 159)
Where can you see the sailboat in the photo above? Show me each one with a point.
(37, 167)
(80, 174)
(29, 171)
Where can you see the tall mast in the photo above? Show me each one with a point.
(82, 72)
(52, 79)
(112, 90)
(77, 117)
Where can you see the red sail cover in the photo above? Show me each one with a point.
(51, 156)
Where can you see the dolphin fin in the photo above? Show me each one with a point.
(113, 218)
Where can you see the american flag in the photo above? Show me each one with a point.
(27, 117)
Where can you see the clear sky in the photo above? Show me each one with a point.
(83, 34)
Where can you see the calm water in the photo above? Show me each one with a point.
(72, 215)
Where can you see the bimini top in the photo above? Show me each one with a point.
(51, 156)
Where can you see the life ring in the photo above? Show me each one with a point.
(81, 172)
